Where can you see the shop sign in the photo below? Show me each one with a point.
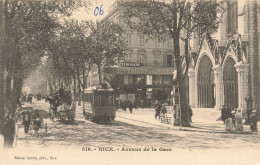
(129, 64)
(140, 70)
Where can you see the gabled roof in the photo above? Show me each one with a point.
(212, 45)
(234, 44)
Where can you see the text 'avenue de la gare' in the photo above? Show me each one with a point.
(126, 149)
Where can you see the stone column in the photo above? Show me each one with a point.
(242, 69)
(191, 75)
(219, 88)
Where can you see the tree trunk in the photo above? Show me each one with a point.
(185, 122)
(9, 131)
(2, 111)
(16, 93)
(54, 84)
(79, 89)
(99, 74)
(84, 76)
(59, 82)
(50, 86)
(7, 88)
(74, 86)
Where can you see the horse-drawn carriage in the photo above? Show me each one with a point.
(61, 106)
(66, 113)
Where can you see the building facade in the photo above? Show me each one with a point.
(147, 65)
(226, 71)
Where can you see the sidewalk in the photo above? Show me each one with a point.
(203, 120)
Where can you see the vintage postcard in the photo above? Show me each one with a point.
(129, 82)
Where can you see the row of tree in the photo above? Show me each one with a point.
(80, 47)
(27, 28)
(40, 34)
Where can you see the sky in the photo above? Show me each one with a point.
(83, 15)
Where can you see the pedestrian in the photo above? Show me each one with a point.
(239, 124)
(131, 107)
(163, 110)
(190, 113)
(124, 105)
(248, 114)
(253, 121)
(29, 98)
(37, 121)
(117, 104)
(157, 110)
(142, 103)
(121, 104)
(135, 104)
(233, 115)
(224, 114)
(249, 102)
(26, 120)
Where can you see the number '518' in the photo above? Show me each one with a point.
(98, 11)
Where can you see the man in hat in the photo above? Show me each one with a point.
(253, 121)
(249, 102)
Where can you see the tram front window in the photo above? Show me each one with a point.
(106, 100)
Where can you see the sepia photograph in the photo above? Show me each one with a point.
(129, 82)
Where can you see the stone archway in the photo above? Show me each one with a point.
(205, 84)
(230, 81)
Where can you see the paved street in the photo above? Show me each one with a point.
(139, 129)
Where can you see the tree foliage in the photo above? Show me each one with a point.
(27, 28)
(105, 43)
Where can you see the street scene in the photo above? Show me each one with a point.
(82, 79)
(136, 130)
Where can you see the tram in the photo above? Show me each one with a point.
(98, 104)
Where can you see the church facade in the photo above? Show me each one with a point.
(226, 71)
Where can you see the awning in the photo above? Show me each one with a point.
(139, 70)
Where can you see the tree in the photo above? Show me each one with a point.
(74, 50)
(105, 43)
(2, 111)
(175, 20)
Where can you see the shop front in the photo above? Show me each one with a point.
(139, 83)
